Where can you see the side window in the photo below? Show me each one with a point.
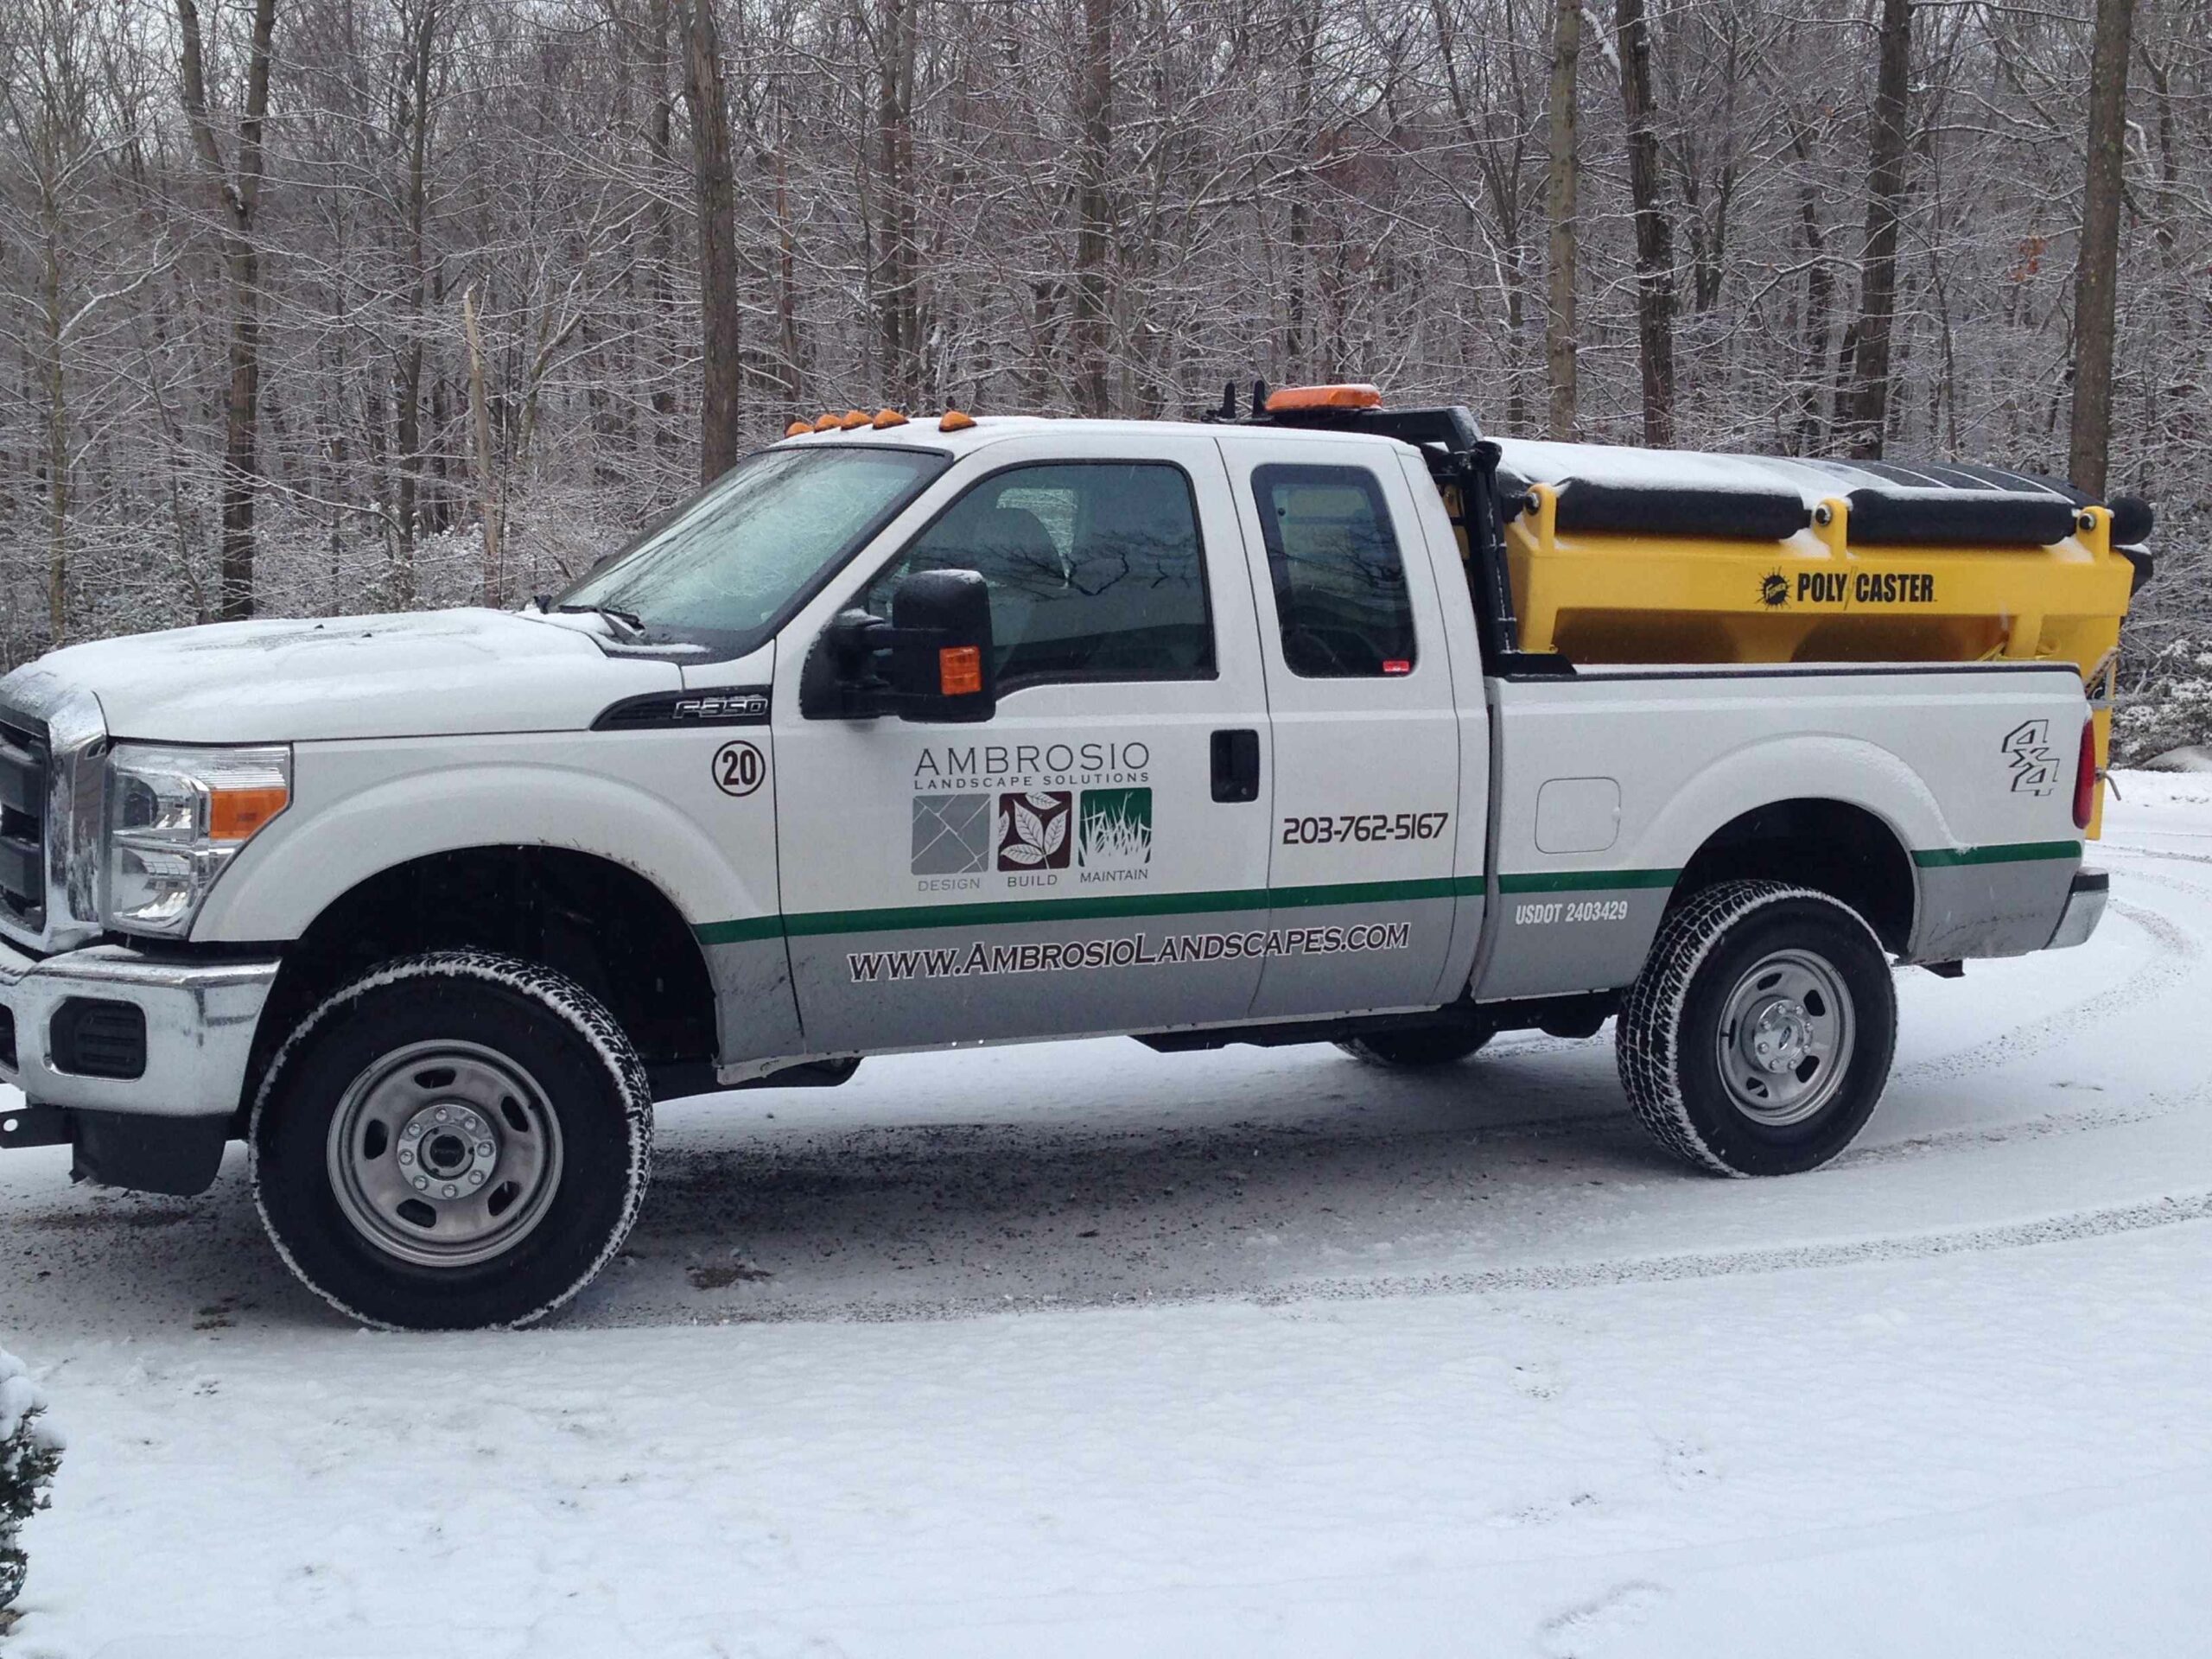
(1094, 569)
(1340, 586)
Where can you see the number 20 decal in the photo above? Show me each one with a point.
(738, 769)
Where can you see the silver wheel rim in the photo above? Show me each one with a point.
(444, 1153)
(1786, 1035)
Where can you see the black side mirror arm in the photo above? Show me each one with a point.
(932, 662)
(843, 677)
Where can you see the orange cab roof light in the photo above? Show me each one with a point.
(854, 417)
(799, 428)
(954, 420)
(826, 423)
(887, 417)
(1290, 399)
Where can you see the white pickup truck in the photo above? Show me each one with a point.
(916, 734)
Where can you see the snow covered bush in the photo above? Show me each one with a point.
(2172, 706)
(30, 1451)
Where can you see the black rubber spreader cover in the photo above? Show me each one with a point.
(1652, 510)
(1963, 518)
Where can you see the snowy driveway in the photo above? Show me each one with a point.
(1085, 1350)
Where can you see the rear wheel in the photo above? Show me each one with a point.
(452, 1141)
(1416, 1048)
(1757, 1039)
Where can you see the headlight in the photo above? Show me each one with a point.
(176, 817)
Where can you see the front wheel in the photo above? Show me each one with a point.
(1757, 1039)
(452, 1141)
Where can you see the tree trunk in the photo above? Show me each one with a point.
(899, 292)
(408, 380)
(1296, 348)
(57, 436)
(1866, 344)
(1655, 251)
(1559, 207)
(1094, 113)
(661, 216)
(1813, 399)
(2097, 264)
(714, 196)
(488, 479)
(237, 194)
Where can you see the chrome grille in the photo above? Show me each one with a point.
(25, 759)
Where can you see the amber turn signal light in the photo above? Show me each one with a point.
(960, 671)
(236, 814)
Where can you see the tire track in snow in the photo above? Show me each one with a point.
(2177, 949)
(2071, 1227)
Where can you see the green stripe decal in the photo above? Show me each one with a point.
(1585, 880)
(753, 927)
(1009, 912)
(2010, 852)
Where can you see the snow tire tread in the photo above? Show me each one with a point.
(1648, 1035)
(557, 995)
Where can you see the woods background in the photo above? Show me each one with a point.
(300, 298)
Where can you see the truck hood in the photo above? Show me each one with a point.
(425, 673)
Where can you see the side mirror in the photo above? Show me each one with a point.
(932, 661)
(941, 655)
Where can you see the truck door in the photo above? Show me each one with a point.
(1087, 860)
(1366, 734)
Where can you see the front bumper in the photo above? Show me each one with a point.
(199, 1022)
(2085, 908)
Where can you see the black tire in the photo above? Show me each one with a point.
(1416, 1048)
(564, 1116)
(1716, 996)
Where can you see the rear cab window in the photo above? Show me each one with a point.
(1339, 578)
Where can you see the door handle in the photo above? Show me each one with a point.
(1236, 766)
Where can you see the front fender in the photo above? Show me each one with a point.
(343, 827)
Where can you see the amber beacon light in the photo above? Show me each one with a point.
(1290, 399)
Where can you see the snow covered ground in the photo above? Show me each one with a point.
(1089, 1350)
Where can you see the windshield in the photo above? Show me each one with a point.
(727, 568)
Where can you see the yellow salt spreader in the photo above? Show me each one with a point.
(1618, 555)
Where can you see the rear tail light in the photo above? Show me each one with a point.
(2085, 776)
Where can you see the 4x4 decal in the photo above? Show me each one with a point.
(2034, 763)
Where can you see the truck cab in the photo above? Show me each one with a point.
(913, 733)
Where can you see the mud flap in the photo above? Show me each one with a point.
(175, 1155)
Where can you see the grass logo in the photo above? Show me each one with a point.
(1115, 828)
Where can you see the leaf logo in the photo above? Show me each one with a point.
(1033, 829)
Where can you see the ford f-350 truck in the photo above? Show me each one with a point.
(910, 733)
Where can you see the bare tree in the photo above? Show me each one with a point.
(2097, 265)
(236, 368)
(1560, 339)
(1655, 252)
(713, 189)
(1864, 421)
(238, 192)
(1094, 120)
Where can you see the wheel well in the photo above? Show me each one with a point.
(607, 927)
(1833, 846)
